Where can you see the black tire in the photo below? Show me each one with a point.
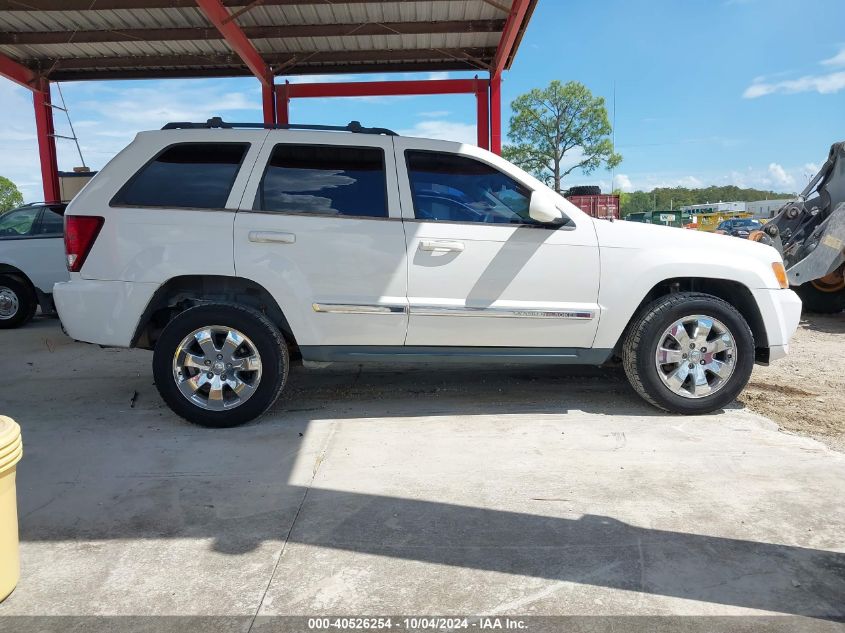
(268, 342)
(643, 337)
(819, 301)
(584, 190)
(24, 296)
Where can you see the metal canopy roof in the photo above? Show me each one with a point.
(132, 39)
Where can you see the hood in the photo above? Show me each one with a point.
(637, 235)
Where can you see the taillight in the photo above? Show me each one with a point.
(80, 233)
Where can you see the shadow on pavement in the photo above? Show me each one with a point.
(96, 470)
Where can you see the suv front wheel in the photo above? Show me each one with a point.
(689, 353)
(220, 365)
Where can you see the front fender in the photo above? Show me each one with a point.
(629, 274)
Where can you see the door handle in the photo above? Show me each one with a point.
(263, 237)
(441, 246)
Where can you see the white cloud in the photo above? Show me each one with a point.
(435, 114)
(836, 60)
(444, 130)
(623, 182)
(320, 79)
(779, 176)
(829, 83)
(823, 84)
(19, 155)
(773, 177)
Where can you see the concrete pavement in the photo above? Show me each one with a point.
(414, 491)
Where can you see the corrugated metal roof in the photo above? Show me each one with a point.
(147, 38)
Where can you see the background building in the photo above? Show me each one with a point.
(765, 209)
(715, 207)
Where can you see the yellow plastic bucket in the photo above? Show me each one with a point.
(11, 450)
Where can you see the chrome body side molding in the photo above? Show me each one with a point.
(500, 312)
(460, 311)
(353, 308)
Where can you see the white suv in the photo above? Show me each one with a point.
(229, 250)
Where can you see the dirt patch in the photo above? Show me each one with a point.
(805, 392)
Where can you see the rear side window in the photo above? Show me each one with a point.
(324, 180)
(52, 222)
(18, 223)
(187, 175)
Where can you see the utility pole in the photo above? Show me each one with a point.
(613, 136)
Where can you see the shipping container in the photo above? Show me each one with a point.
(598, 206)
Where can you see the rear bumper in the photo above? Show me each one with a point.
(101, 312)
(781, 312)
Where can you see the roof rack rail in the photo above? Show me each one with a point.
(217, 122)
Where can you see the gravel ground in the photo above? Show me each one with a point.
(805, 392)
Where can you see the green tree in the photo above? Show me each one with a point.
(10, 197)
(666, 198)
(559, 129)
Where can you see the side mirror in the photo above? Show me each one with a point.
(542, 208)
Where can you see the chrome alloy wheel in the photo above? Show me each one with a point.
(695, 356)
(217, 367)
(9, 304)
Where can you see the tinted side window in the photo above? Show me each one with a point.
(189, 175)
(461, 189)
(325, 180)
(19, 222)
(52, 223)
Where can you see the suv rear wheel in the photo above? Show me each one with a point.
(220, 365)
(17, 302)
(689, 353)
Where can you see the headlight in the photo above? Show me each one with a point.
(780, 273)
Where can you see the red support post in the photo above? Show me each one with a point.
(283, 104)
(496, 114)
(482, 101)
(46, 142)
(268, 102)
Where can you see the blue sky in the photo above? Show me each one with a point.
(746, 92)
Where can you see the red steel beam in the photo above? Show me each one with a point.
(238, 42)
(283, 104)
(496, 114)
(285, 31)
(510, 35)
(268, 103)
(482, 102)
(46, 142)
(381, 88)
(287, 91)
(20, 74)
(103, 5)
